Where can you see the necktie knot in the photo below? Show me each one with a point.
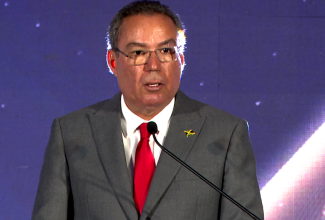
(144, 131)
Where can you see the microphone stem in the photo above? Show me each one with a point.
(204, 179)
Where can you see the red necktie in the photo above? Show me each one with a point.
(143, 169)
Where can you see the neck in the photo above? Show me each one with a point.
(146, 113)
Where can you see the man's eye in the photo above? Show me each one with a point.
(166, 51)
(139, 52)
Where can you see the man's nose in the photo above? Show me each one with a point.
(153, 62)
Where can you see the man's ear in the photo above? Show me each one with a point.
(111, 60)
(182, 59)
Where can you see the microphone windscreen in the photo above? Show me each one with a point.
(152, 127)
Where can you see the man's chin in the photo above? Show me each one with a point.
(156, 101)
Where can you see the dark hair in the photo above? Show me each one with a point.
(142, 7)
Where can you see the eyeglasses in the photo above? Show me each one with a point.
(141, 57)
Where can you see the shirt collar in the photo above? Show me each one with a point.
(131, 121)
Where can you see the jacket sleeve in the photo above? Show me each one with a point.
(240, 180)
(54, 198)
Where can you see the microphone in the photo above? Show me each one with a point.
(153, 129)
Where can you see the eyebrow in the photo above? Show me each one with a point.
(138, 44)
(167, 42)
(134, 44)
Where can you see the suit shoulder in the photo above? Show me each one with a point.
(86, 110)
(186, 105)
(210, 111)
(220, 120)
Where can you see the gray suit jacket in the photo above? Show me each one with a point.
(84, 175)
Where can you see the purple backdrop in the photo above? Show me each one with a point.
(261, 60)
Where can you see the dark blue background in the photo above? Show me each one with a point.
(263, 61)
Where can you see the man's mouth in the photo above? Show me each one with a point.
(153, 85)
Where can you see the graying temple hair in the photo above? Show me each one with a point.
(143, 7)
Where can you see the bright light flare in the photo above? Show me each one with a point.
(298, 173)
(181, 40)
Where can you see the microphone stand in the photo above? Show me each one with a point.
(204, 179)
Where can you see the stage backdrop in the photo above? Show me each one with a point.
(263, 61)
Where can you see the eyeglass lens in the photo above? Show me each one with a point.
(163, 55)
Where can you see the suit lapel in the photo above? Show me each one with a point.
(106, 128)
(184, 117)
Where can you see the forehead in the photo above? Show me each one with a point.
(147, 29)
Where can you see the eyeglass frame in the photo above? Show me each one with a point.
(149, 51)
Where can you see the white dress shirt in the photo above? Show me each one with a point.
(131, 134)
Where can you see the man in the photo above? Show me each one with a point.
(91, 165)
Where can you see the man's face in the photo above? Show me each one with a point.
(146, 88)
